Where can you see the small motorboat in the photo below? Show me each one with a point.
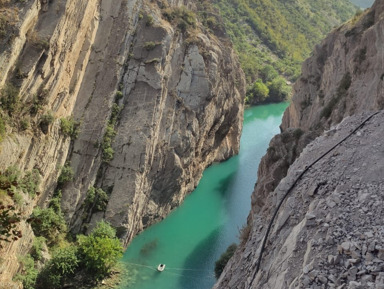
(161, 267)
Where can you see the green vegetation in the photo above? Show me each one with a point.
(59, 269)
(223, 260)
(10, 98)
(110, 133)
(30, 182)
(66, 175)
(69, 127)
(9, 219)
(37, 248)
(96, 199)
(270, 87)
(100, 250)
(48, 223)
(45, 121)
(278, 34)
(28, 273)
(94, 255)
(2, 129)
(150, 45)
(181, 17)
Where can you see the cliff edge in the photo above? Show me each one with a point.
(328, 233)
(131, 99)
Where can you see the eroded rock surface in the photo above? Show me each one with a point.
(329, 231)
(342, 78)
(169, 97)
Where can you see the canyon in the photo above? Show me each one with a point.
(156, 100)
(328, 231)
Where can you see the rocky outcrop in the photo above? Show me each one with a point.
(329, 231)
(156, 100)
(342, 78)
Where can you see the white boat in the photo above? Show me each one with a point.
(161, 267)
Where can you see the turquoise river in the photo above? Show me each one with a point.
(193, 236)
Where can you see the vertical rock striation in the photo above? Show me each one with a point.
(157, 102)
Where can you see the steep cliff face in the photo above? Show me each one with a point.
(157, 95)
(344, 77)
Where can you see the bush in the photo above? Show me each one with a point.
(45, 121)
(10, 98)
(106, 145)
(2, 129)
(100, 250)
(66, 175)
(96, 199)
(48, 224)
(150, 45)
(59, 269)
(69, 127)
(8, 223)
(181, 17)
(30, 183)
(28, 273)
(257, 93)
(223, 260)
(37, 247)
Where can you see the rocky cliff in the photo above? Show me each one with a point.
(328, 232)
(155, 95)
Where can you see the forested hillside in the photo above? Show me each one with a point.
(279, 34)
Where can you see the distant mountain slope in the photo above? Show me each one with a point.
(363, 3)
(279, 33)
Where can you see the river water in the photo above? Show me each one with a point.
(193, 236)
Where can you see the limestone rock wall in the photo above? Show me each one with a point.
(342, 78)
(176, 100)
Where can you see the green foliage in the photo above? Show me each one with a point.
(279, 90)
(30, 182)
(264, 29)
(69, 127)
(181, 17)
(2, 129)
(66, 175)
(257, 93)
(37, 248)
(48, 224)
(59, 269)
(45, 121)
(150, 45)
(149, 21)
(106, 145)
(24, 124)
(99, 251)
(9, 218)
(28, 274)
(268, 73)
(104, 230)
(223, 260)
(10, 98)
(96, 199)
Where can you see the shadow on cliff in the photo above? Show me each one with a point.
(201, 273)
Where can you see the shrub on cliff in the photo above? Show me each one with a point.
(48, 223)
(223, 260)
(59, 269)
(100, 250)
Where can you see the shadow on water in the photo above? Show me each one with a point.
(224, 184)
(201, 274)
(149, 247)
